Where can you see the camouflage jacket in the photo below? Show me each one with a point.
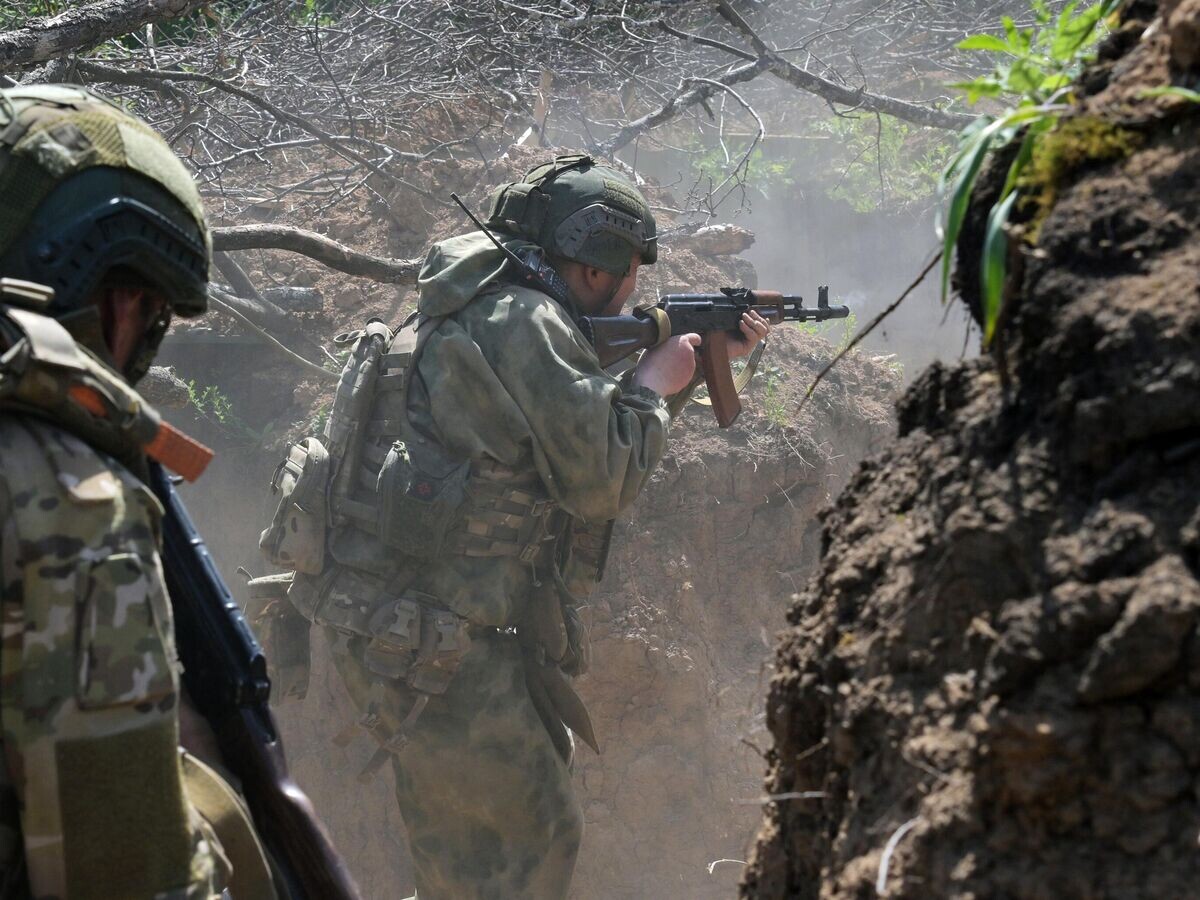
(92, 799)
(507, 377)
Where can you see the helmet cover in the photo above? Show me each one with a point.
(579, 209)
(87, 187)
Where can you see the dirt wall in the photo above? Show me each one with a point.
(991, 687)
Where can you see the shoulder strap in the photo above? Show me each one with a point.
(44, 372)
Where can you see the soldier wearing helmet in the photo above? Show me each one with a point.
(102, 240)
(471, 516)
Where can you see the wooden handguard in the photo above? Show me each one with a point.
(769, 305)
(714, 360)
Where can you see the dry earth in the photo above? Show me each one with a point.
(991, 687)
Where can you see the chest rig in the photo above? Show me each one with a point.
(372, 496)
(398, 489)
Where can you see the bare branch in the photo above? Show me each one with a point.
(871, 326)
(837, 93)
(159, 77)
(84, 28)
(317, 246)
(230, 305)
(699, 91)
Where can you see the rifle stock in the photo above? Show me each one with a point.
(225, 675)
(616, 337)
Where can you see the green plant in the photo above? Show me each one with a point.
(1033, 74)
(210, 402)
(320, 415)
(1172, 91)
(849, 329)
(214, 405)
(773, 401)
(881, 161)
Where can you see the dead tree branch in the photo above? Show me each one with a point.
(229, 304)
(692, 91)
(317, 246)
(164, 78)
(870, 327)
(84, 28)
(857, 98)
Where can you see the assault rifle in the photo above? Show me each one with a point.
(714, 317)
(225, 673)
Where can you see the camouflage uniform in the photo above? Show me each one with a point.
(95, 797)
(507, 381)
(92, 793)
(508, 377)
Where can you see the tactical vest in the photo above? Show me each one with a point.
(372, 496)
(376, 494)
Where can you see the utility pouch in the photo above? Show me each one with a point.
(420, 492)
(411, 639)
(346, 599)
(284, 633)
(304, 593)
(295, 539)
(395, 636)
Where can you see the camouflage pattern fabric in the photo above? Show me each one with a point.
(484, 785)
(92, 802)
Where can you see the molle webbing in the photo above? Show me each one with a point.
(506, 514)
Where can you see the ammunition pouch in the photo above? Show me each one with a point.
(404, 635)
(295, 538)
(506, 515)
(419, 494)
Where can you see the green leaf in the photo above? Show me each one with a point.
(1185, 93)
(994, 265)
(984, 86)
(1074, 33)
(967, 164)
(984, 42)
(1052, 83)
(1024, 77)
(963, 169)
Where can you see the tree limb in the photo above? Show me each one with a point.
(871, 326)
(162, 78)
(696, 91)
(317, 246)
(832, 92)
(231, 305)
(84, 28)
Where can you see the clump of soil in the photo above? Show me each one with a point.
(991, 688)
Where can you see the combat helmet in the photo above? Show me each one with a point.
(578, 209)
(87, 188)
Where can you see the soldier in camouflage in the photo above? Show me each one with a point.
(502, 384)
(96, 798)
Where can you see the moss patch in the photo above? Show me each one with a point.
(1073, 144)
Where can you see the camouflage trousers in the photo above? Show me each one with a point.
(486, 798)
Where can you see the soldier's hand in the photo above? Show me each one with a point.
(754, 329)
(668, 368)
